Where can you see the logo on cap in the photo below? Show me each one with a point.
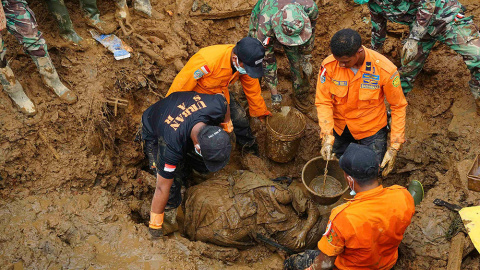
(258, 61)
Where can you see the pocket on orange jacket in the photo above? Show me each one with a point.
(339, 93)
(368, 97)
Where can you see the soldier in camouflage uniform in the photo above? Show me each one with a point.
(292, 24)
(430, 21)
(92, 16)
(21, 22)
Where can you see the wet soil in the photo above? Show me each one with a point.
(326, 187)
(89, 207)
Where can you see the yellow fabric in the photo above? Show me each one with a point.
(227, 127)
(471, 220)
(156, 220)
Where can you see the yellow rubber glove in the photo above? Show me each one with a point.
(327, 147)
(227, 127)
(156, 220)
(389, 158)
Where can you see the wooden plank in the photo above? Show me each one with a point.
(456, 252)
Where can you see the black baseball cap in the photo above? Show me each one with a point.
(251, 52)
(360, 162)
(215, 147)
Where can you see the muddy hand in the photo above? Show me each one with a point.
(227, 127)
(306, 65)
(299, 239)
(327, 147)
(409, 51)
(388, 161)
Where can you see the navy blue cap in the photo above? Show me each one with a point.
(360, 162)
(251, 52)
(215, 147)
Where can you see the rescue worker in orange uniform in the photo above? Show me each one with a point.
(351, 88)
(365, 232)
(212, 69)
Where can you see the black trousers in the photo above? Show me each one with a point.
(377, 142)
(154, 147)
(241, 124)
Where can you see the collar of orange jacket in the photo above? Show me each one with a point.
(367, 194)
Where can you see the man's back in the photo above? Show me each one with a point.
(370, 228)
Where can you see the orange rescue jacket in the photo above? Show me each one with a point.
(209, 71)
(365, 232)
(344, 98)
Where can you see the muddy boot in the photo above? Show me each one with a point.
(122, 10)
(475, 89)
(143, 6)
(416, 189)
(60, 13)
(93, 17)
(15, 91)
(156, 233)
(170, 224)
(51, 79)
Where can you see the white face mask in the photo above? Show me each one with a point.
(352, 192)
(240, 69)
(197, 146)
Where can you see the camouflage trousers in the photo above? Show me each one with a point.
(461, 36)
(22, 24)
(61, 15)
(300, 82)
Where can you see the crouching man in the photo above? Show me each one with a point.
(181, 134)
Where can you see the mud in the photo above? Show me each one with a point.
(328, 187)
(89, 208)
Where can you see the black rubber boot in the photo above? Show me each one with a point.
(156, 233)
(60, 14)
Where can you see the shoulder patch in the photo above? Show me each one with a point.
(204, 70)
(368, 66)
(323, 73)
(396, 81)
(329, 227)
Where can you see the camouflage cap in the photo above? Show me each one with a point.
(291, 25)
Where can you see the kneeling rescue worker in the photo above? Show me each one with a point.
(181, 134)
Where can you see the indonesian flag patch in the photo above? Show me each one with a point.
(169, 168)
(204, 70)
(329, 227)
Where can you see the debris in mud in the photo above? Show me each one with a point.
(117, 102)
(115, 45)
(332, 186)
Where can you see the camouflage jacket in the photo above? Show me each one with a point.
(260, 25)
(423, 16)
(3, 20)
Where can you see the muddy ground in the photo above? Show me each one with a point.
(88, 207)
